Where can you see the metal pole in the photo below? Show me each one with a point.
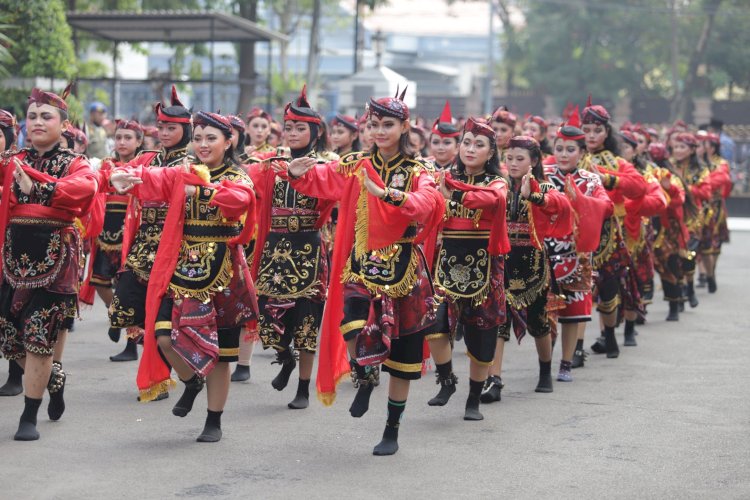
(114, 82)
(490, 61)
(268, 77)
(356, 36)
(211, 98)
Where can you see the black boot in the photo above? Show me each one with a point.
(130, 353)
(286, 359)
(447, 381)
(241, 373)
(545, 377)
(579, 355)
(367, 377)
(192, 388)
(56, 388)
(610, 342)
(599, 347)
(212, 430)
(302, 399)
(492, 390)
(14, 385)
(701, 281)
(472, 402)
(27, 426)
(691, 296)
(711, 284)
(114, 334)
(630, 334)
(389, 444)
(674, 308)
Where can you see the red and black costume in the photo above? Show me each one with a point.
(716, 230)
(616, 282)
(201, 292)
(445, 129)
(144, 224)
(41, 247)
(381, 292)
(469, 270)
(291, 259)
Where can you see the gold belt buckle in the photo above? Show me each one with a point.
(293, 223)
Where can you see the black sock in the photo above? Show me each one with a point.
(566, 365)
(629, 327)
(395, 410)
(185, 403)
(445, 370)
(212, 430)
(30, 409)
(475, 387)
(579, 345)
(303, 388)
(214, 419)
(545, 368)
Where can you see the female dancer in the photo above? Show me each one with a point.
(45, 188)
(698, 182)
(107, 251)
(536, 127)
(381, 297)
(200, 293)
(670, 245)
(616, 281)
(716, 231)
(14, 385)
(258, 131)
(344, 134)
(469, 273)
(444, 140)
(292, 259)
(365, 136)
(504, 125)
(144, 223)
(571, 255)
(535, 211)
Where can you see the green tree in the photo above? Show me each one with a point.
(6, 41)
(44, 46)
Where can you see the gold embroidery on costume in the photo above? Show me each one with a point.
(289, 269)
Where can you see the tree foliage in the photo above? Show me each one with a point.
(612, 49)
(43, 39)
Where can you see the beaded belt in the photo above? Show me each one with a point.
(152, 215)
(294, 223)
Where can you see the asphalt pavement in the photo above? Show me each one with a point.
(667, 419)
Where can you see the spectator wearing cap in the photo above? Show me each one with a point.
(97, 135)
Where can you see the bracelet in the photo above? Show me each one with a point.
(385, 193)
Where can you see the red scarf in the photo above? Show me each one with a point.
(386, 224)
(153, 374)
(499, 243)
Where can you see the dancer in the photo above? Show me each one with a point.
(200, 292)
(144, 224)
(381, 296)
(571, 255)
(616, 282)
(716, 231)
(14, 385)
(469, 273)
(258, 131)
(45, 188)
(291, 262)
(535, 211)
(444, 140)
(344, 134)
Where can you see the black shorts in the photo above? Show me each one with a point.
(405, 358)
(129, 301)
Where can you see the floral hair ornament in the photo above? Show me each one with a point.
(595, 113)
(393, 107)
(40, 97)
